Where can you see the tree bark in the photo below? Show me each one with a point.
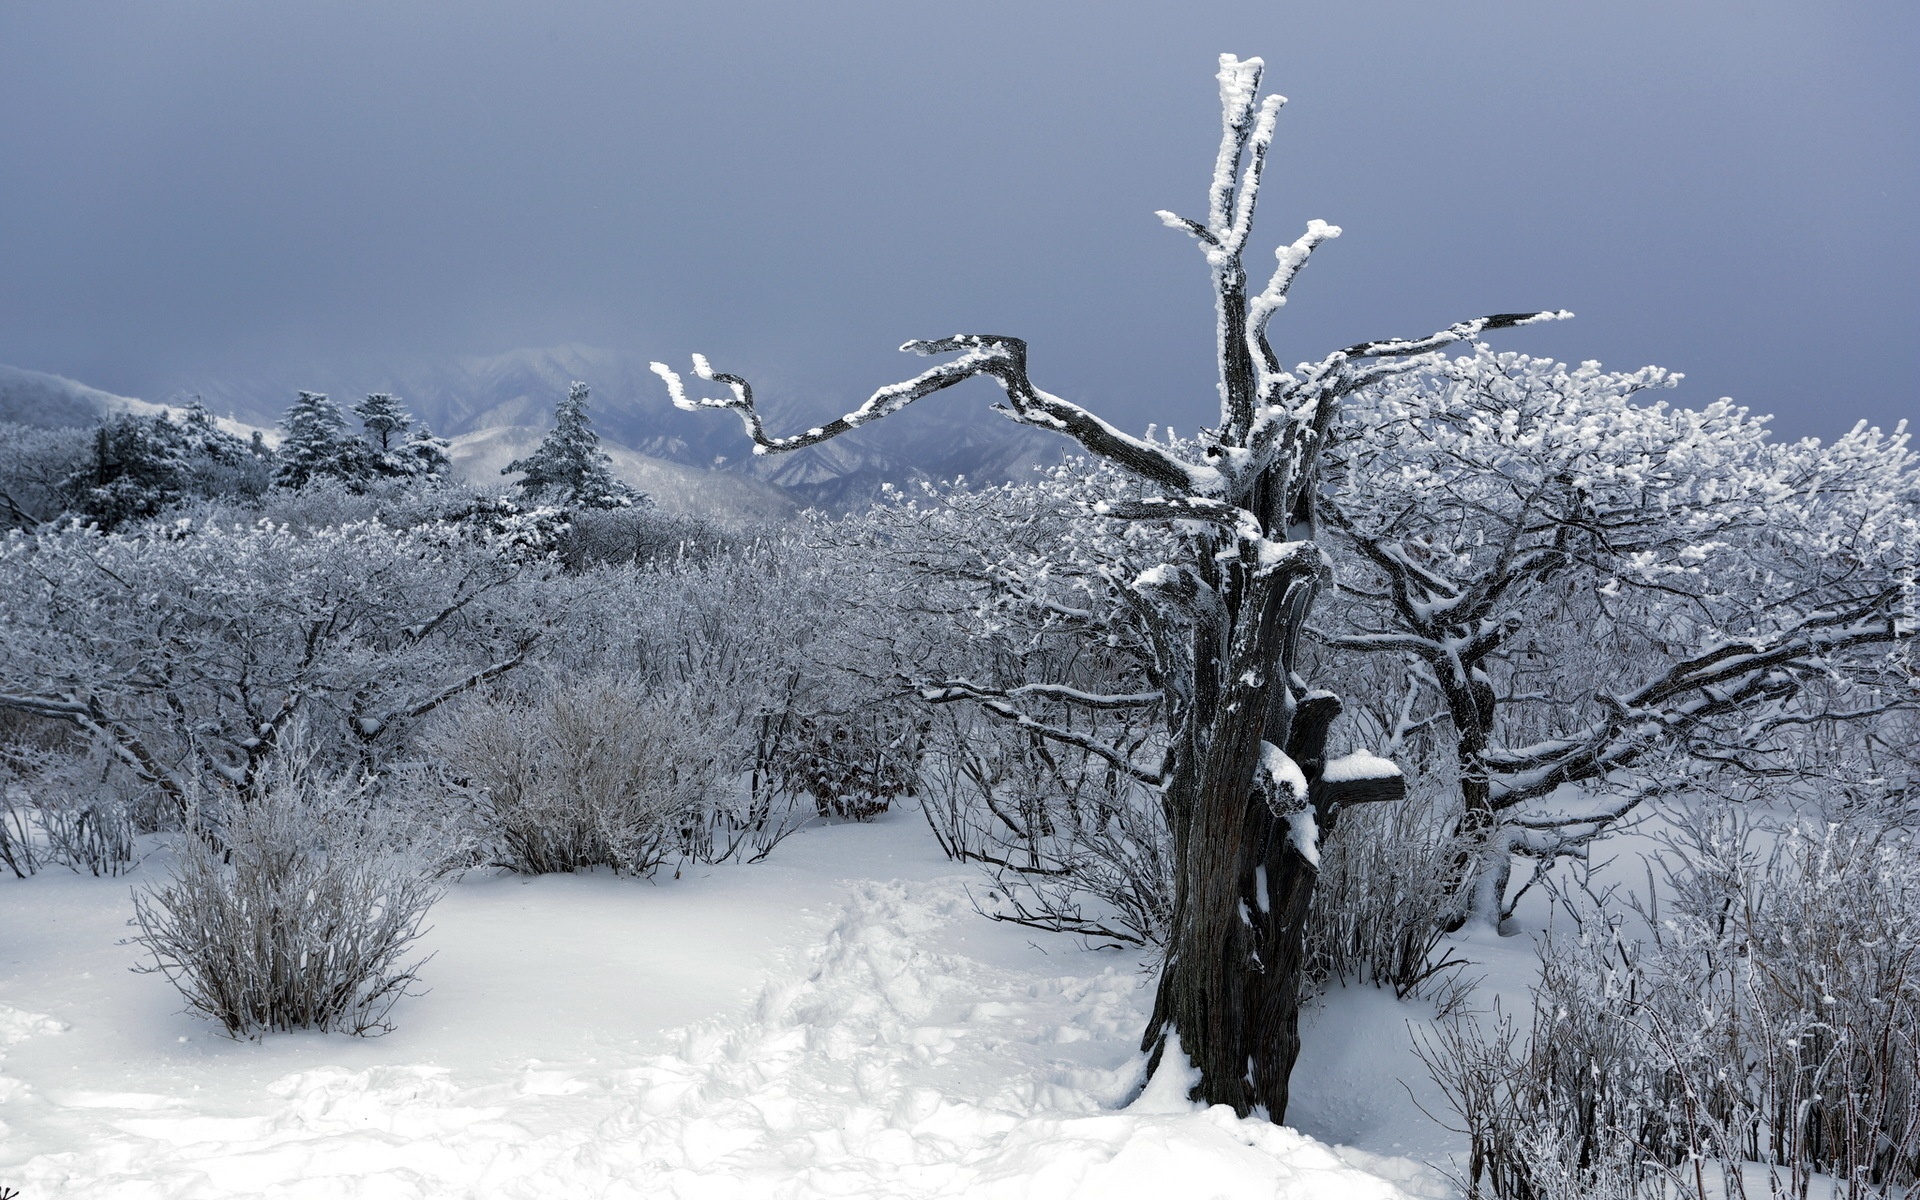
(1230, 988)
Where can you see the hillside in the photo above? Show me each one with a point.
(940, 440)
(42, 401)
(678, 489)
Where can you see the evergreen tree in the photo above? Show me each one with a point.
(317, 443)
(422, 457)
(392, 452)
(568, 468)
(136, 470)
(384, 418)
(141, 464)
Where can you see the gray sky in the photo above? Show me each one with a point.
(197, 189)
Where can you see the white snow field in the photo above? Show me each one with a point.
(835, 1021)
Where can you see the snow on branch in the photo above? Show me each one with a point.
(961, 689)
(1002, 358)
(1461, 332)
(1183, 508)
(1280, 781)
(119, 739)
(995, 701)
(1728, 678)
(369, 727)
(1291, 258)
(1359, 765)
(1243, 133)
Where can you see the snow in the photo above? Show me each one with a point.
(1157, 576)
(1359, 765)
(834, 1021)
(1304, 832)
(1283, 771)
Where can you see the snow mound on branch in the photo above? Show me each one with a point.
(895, 1063)
(1359, 765)
(1283, 771)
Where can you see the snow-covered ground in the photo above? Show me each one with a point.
(836, 1021)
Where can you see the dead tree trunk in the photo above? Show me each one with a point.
(1242, 768)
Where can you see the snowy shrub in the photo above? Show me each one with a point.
(1795, 953)
(1585, 582)
(62, 802)
(1066, 843)
(592, 772)
(1385, 894)
(65, 812)
(187, 651)
(640, 535)
(1579, 1107)
(853, 765)
(774, 651)
(34, 467)
(1769, 1015)
(294, 909)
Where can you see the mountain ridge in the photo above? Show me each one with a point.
(468, 396)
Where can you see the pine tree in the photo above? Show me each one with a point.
(422, 457)
(140, 465)
(394, 453)
(317, 444)
(135, 470)
(384, 418)
(568, 468)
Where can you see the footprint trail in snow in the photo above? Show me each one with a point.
(894, 1065)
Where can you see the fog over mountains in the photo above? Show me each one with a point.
(492, 407)
(42, 401)
(942, 438)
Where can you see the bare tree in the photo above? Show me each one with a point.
(1242, 770)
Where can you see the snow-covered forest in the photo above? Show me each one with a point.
(1450, 773)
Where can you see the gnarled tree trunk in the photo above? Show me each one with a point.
(1241, 775)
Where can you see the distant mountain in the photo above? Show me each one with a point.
(53, 401)
(938, 439)
(43, 401)
(675, 488)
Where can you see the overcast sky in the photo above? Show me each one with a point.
(193, 189)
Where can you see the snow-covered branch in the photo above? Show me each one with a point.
(1001, 358)
(958, 689)
(996, 702)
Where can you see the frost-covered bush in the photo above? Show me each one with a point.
(1387, 874)
(484, 516)
(641, 535)
(1042, 732)
(58, 808)
(778, 652)
(34, 467)
(1066, 843)
(294, 909)
(853, 765)
(65, 802)
(1764, 1021)
(1587, 583)
(1795, 953)
(186, 651)
(592, 772)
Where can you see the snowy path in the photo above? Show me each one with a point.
(908, 1055)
